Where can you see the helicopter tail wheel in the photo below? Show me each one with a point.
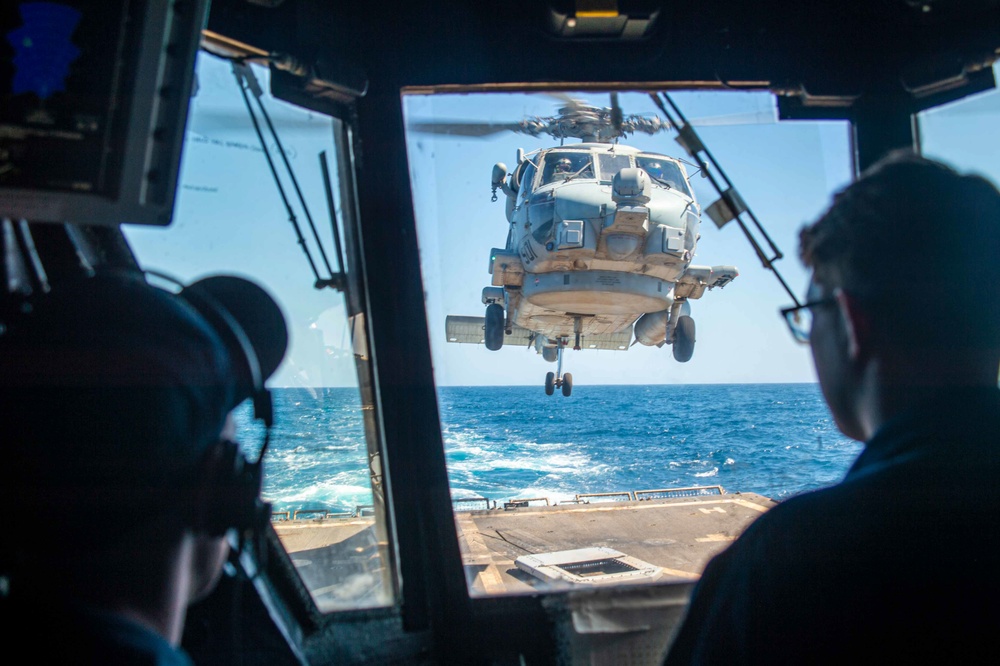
(550, 383)
(494, 326)
(684, 339)
(567, 384)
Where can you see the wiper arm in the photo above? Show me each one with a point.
(575, 174)
(665, 183)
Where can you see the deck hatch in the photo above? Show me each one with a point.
(588, 566)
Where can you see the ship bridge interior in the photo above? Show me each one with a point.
(405, 577)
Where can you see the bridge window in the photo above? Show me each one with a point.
(963, 133)
(322, 470)
(566, 491)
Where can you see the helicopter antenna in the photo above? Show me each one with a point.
(730, 205)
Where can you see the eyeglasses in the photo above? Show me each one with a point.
(799, 318)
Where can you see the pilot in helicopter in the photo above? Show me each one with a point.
(564, 166)
(655, 170)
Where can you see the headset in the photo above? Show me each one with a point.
(235, 492)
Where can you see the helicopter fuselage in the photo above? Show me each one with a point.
(600, 236)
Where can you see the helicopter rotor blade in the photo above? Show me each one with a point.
(580, 119)
(568, 101)
(460, 128)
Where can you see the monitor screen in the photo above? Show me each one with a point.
(93, 100)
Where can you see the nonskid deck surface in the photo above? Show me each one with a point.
(677, 535)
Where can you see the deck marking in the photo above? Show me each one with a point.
(474, 549)
(490, 578)
(681, 574)
(715, 537)
(717, 509)
(475, 552)
(750, 505)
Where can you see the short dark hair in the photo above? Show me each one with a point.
(920, 243)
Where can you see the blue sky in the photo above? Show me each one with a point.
(229, 218)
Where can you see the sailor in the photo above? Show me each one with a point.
(900, 561)
(120, 478)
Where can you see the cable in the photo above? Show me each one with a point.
(291, 174)
(693, 144)
(239, 71)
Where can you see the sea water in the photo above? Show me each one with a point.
(511, 442)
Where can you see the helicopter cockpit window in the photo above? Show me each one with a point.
(526, 182)
(611, 164)
(321, 471)
(565, 165)
(664, 172)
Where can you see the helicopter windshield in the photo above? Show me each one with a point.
(663, 171)
(612, 163)
(562, 165)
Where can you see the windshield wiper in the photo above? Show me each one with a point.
(576, 173)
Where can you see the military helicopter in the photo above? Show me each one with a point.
(599, 246)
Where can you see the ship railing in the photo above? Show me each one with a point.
(487, 504)
(361, 511)
(525, 502)
(473, 504)
(622, 496)
(669, 493)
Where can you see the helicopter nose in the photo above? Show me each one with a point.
(619, 246)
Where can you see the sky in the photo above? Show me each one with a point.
(229, 218)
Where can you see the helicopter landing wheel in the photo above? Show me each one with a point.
(567, 384)
(550, 383)
(494, 326)
(684, 339)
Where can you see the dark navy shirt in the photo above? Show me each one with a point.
(46, 633)
(118, 640)
(900, 562)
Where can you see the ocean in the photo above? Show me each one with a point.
(511, 442)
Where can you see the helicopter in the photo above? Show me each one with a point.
(601, 236)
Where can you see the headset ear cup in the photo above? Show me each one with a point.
(233, 494)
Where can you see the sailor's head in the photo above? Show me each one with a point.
(917, 241)
(904, 275)
(564, 165)
(112, 391)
